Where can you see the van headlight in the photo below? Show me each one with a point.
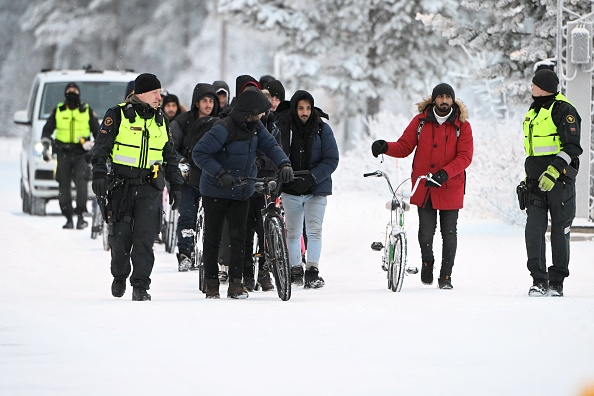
(38, 149)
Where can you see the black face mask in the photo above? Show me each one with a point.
(73, 98)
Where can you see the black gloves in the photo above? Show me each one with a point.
(174, 199)
(226, 179)
(286, 174)
(379, 147)
(46, 152)
(440, 177)
(100, 187)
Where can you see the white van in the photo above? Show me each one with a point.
(101, 89)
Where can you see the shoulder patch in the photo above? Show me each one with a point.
(108, 121)
(570, 119)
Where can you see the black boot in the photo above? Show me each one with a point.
(212, 288)
(313, 280)
(81, 223)
(69, 224)
(297, 275)
(556, 288)
(236, 290)
(445, 282)
(140, 294)
(539, 288)
(264, 280)
(118, 288)
(427, 273)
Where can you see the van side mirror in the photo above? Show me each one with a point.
(21, 117)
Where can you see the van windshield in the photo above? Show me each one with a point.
(100, 95)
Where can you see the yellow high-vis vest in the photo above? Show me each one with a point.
(140, 143)
(72, 125)
(540, 132)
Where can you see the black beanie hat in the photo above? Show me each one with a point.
(443, 89)
(146, 82)
(71, 85)
(276, 88)
(546, 80)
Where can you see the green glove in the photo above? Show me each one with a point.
(547, 180)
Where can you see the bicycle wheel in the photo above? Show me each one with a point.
(96, 219)
(396, 265)
(105, 235)
(277, 255)
(171, 233)
(198, 249)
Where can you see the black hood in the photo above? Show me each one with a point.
(241, 82)
(219, 84)
(249, 103)
(314, 119)
(203, 89)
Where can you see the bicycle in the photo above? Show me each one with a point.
(276, 254)
(394, 258)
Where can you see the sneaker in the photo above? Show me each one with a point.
(313, 280)
(556, 289)
(118, 287)
(236, 290)
(140, 294)
(69, 225)
(445, 282)
(265, 281)
(249, 283)
(539, 288)
(212, 288)
(183, 262)
(297, 275)
(81, 223)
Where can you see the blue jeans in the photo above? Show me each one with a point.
(188, 211)
(312, 208)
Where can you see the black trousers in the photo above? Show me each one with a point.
(216, 210)
(131, 238)
(72, 166)
(254, 224)
(448, 223)
(560, 204)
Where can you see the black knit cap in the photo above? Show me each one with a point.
(71, 85)
(443, 89)
(170, 98)
(546, 80)
(276, 88)
(146, 82)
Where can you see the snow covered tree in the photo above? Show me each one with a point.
(504, 38)
(356, 49)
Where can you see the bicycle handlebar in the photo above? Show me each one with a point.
(379, 173)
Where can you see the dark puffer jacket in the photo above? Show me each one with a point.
(214, 153)
(311, 146)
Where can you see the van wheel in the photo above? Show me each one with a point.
(26, 200)
(38, 206)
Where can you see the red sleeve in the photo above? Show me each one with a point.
(404, 146)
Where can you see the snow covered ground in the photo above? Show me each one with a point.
(62, 333)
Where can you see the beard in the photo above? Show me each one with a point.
(443, 109)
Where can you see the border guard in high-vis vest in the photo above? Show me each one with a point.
(552, 144)
(74, 123)
(132, 158)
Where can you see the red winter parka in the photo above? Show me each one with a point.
(448, 146)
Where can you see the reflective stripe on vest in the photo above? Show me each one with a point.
(72, 125)
(540, 132)
(139, 144)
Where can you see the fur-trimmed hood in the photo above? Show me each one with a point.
(459, 108)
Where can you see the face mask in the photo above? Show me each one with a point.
(72, 97)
